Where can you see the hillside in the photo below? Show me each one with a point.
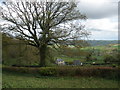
(102, 42)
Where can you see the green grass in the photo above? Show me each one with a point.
(70, 59)
(17, 80)
(102, 48)
(96, 48)
(116, 46)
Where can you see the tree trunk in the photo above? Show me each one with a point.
(42, 53)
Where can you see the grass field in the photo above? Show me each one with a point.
(70, 59)
(102, 49)
(17, 80)
(82, 59)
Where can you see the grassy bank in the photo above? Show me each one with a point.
(18, 80)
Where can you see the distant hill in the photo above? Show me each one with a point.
(101, 42)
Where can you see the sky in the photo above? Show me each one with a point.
(102, 19)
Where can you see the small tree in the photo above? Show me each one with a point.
(112, 58)
(89, 55)
(42, 23)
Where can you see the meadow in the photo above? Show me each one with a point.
(102, 50)
(18, 80)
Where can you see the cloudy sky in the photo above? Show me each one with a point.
(102, 18)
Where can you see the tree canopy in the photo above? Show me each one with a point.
(43, 23)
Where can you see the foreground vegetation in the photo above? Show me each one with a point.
(18, 80)
(103, 75)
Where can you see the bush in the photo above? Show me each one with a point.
(111, 59)
(107, 58)
(114, 65)
(47, 71)
(70, 63)
(67, 71)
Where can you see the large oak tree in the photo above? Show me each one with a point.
(43, 23)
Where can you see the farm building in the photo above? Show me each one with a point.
(60, 62)
(77, 62)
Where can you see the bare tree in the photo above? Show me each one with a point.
(43, 23)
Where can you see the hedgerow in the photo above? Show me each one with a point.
(67, 71)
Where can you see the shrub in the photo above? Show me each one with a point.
(70, 63)
(114, 65)
(67, 71)
(47, 71)
(111, 58)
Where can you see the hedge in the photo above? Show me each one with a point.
(67, 71)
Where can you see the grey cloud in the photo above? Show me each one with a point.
(94, 29)
(100, 30)
(93, 12)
